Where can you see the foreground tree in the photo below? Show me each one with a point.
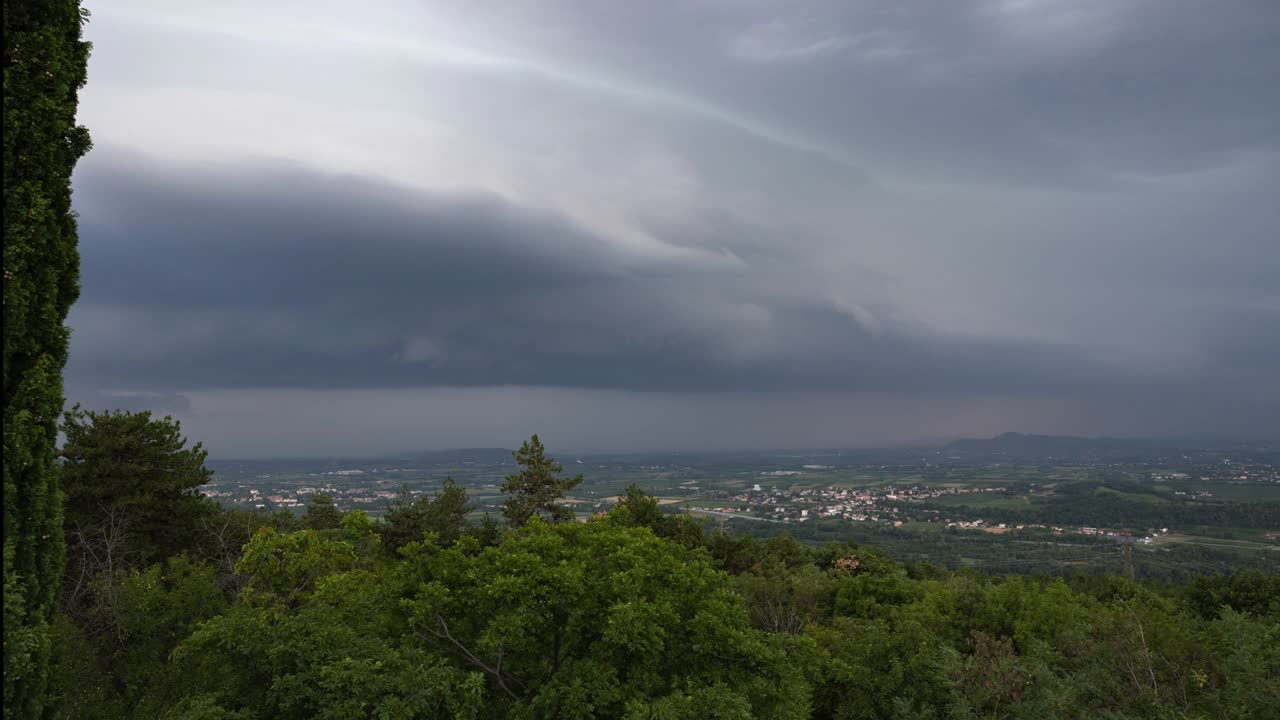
(317, 632)
(44, 67)
(113, 661)
(556, 621)
(132, 475)
(594, 620)
(537, 488)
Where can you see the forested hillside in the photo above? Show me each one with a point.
(636, 613)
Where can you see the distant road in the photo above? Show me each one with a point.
(744, 517)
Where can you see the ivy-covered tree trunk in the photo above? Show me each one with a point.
(44, 67)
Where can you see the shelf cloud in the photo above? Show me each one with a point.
(1057, 214)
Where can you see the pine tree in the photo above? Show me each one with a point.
(322, 513)
(536, 488)
(135, 471)
(447, 514)
(443, 513)
(44, 67)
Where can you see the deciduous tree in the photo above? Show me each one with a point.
(594, 620)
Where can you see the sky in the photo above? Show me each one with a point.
(338, 229)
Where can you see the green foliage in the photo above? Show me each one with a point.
(130, 473)
(1101, 505)
(535, 490)
(637, 614)
(735, 553)
(444, 514)
(783, 553)
(317, 633)
(487, 533)
(322, 513)
(80, 685)
(784, 602)
(871, 666)
(44, 68)
(638, 508)
(221, 538)
(1245, 592)
(1245, 663)
(113, 662)
(597, 621)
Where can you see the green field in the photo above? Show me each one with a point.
(1216, 525)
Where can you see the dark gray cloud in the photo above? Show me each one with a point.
(1059, 210)
(159, 403)
(278, 277)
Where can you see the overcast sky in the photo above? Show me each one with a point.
(335, 228)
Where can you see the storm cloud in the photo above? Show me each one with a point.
(1060, 209)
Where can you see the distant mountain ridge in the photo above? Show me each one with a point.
(1006, 446)
(1017, 442)
(1015, 445)
(478, 456)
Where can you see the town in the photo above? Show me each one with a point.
(889, 506)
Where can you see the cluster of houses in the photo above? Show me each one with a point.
(860, 504)
(298, 498)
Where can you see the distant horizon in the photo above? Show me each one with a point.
(564, 456)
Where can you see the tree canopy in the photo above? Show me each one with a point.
(45, 63)
(132, 473)
(537, 488)
(322, 513)
(636, 613)
(444, 513)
